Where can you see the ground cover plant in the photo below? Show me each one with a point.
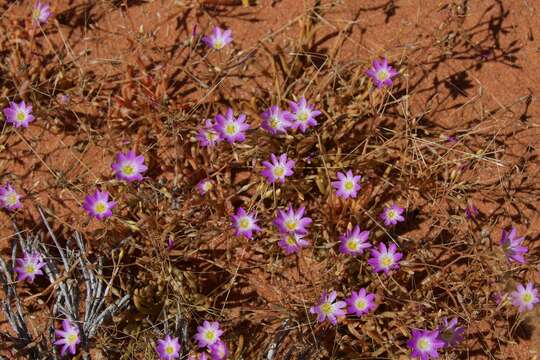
(323, 179)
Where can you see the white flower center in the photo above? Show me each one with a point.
(391, 214)
(207, 186)
(348, 185)
(20, 116)
(352, 244)
(360, 304)
(210, 335)
(128, 169)
(218, 44)
(279, 171)
(274, 122)
(11, 199)
(30, 268)
(244, 223)
(382, 75)
(100, 207)
(386, 261)
(327, 308)
(36, 14)
(291, 224)
(72, 338)
(231, 129)
(291, 240)
(302, 116)
(169, 349)
(527, 297)
(423, 344)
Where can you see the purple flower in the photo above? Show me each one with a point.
(68, 337)
(98, 205)
(425, 344)
(218, 350)
(218, 39)
(381, 73)
(512, 246)
(385, 259)
(392, 215)
(291, 221)
(276, 120)
(348, 185)
(129, 166)
(19, 114)
(168, 348)
(361, 302)
(230, 128)
(41, 13)
(205, 186)
(328, 309)
(354, 242)
(471, 211)
(207, 135)
(302, 115)
(277, 169)
(524, 297)
(9, 199)
(292, 243)
(245, 223)
(208, 334)
(29, 266)
(198, 356)
(449, 333)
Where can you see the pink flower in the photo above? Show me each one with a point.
(524, 297)
(98, 205)
(425, 344)
(392, 215)
(29, 266)
(276, 120)
(348, 185)
(277, 169)
(354, 242)
(205, 186)
(511, 245)
(291, 221)
(302, 115)
(361, 302)
(207, 135)
(245, 223)
(292, 243)
(168, 348)
(208, 334)
(385, 259)
(129, 166)
(381, 73)
(218, 39)
(19, 114)
(41, 13)
(68, 337)
(218, 350)
(328, 308)
(9, 198)
(230, 128)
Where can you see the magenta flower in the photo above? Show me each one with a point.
(9, 198)
(205, 186)
(230, 128)
(381, 73)
(218, 39)
(98, 205)
(168, 348)
(524, 297)
(218, 350)
(449, 333)
(129, 166)
(208, 334)
(348, 185)
(68, 337)
(361, 302)
(512, 246)
(392, 215)
(425, 344)
(207, 135)
(29, 266)
(276, 120)
(245, 223)
(41, 13)
(291, 221)
(19, 114)
(354, 242)
(277, 169)
(292, 243)
(302, 115)
(385, 259)
(328, 308)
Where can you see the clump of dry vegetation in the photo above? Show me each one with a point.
(169, 256)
